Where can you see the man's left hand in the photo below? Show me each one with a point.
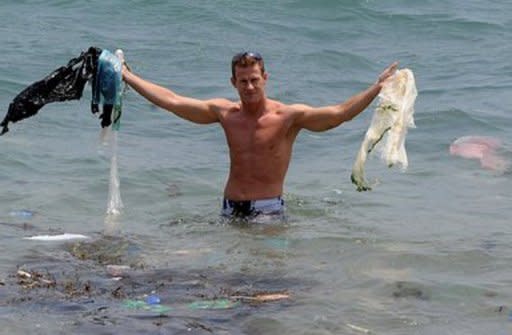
(387, 73)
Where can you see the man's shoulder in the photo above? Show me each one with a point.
(222, 105)
(294, 108)
(278, 106)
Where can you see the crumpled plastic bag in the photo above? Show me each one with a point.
(67, 82)
(388, 129)
(107, 89)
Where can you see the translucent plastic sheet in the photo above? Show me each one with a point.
(109, 92)
(114, 204)
(391, 120)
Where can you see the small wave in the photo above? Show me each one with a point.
(454, 119)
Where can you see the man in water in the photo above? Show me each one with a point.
(260, 132)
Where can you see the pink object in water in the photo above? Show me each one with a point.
(482, 148)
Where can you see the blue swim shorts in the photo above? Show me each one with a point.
(252, 208)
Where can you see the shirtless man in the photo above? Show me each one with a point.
(260, 132)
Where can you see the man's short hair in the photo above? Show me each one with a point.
(247, 59)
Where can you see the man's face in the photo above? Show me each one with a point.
(250, 83)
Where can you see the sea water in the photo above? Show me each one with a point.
(427, 251)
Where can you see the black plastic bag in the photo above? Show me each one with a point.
(65, 83)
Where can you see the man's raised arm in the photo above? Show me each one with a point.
(328, 117)
(194, 110)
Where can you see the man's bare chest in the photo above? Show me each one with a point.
(259, 134)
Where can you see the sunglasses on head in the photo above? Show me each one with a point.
(250, 54)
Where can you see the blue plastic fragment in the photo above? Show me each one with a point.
(152, 299)
(21, 213)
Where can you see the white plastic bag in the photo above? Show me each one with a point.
(391, 119)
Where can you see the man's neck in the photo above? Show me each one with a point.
(255, 108)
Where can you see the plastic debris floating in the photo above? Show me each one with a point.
(390, 122)
(56, 238)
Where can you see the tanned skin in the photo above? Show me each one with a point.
(260, 132)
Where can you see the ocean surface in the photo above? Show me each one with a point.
(427, 251)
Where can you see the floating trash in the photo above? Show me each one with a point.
(173, 190)
(358, 328)
(405, 289)
(107, 250)
(213, 304)
(144, 305)
(117, 270)
(56, 238)
(153, 300)
(161, 309)
(22, 213)
(262, 297)
(134, 304)
(34, 279)
(277, 243)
